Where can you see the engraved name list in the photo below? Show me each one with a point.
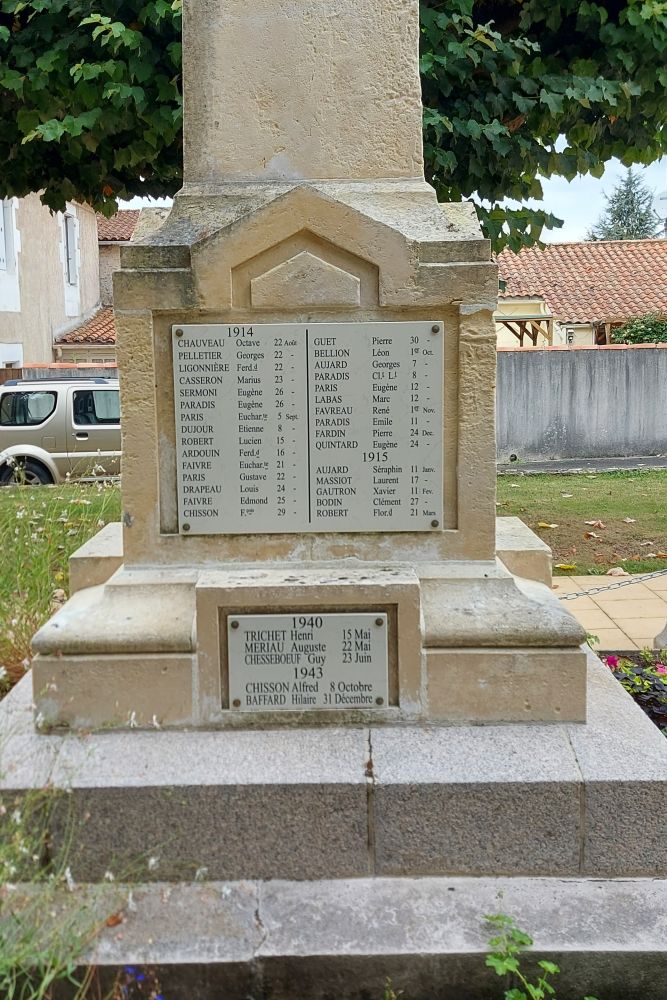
(309, 428)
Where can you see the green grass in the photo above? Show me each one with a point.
(40, 527)
(608, 497)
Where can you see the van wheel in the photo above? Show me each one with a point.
(24, 472)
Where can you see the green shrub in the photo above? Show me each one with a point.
(507, 945)
(644, 676)
(648, 329)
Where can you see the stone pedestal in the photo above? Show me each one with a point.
(304, 202)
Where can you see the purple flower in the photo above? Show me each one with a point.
(612, 662)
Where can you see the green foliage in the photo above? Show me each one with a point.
(648, 329)
(502, 83)
(629, 214)
(507, 945)
(45, 924)
(41, 527)
(91, 107)
(90, 99)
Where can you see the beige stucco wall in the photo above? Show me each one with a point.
(43, 314)
(83, 354)
(582, 334)
(109, 262)
(516, 308)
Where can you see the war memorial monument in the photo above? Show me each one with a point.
(311, 655)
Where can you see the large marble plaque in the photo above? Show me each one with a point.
(309, 428)
(305, 661)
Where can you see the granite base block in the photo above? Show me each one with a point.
(338, 802)
(344, 938)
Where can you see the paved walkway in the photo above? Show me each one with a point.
(572, 465)
(627, 618)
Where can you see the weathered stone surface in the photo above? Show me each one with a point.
(349, 106)
(623, 763)
(522, 551)
(137, 611)
(305, 281)
(471, 605)
(245, 805)
(96, 560)
(95, 692)
(499, 685)
(456, 800)
(334, 802)
(343, 938)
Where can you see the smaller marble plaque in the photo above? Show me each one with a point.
(306, 661)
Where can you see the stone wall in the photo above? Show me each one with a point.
(581, 402)
(45, 304)
(109, 264)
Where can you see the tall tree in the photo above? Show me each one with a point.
(90, 98)
(629, 214)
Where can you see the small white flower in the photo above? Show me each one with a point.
(155, 723)
(131, 905)
(132, 720)
(200, 874)
(16, 816)
(152, 864)
(25, 663)
(71, 884)
(39, 720)
(20, 513)
(3, 675)
(109, 877)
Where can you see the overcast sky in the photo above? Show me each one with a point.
(579, 202)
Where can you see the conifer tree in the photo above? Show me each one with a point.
(629, 214)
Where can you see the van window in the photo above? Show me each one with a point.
(96, 406)
(26, 409)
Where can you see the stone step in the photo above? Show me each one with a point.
(343, 939)
(517, 800)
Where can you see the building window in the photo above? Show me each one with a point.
(6, 237)
(71, 270)
(3, 239)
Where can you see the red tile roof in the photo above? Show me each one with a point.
(119, 227)
(99, 329)
(597, 281)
